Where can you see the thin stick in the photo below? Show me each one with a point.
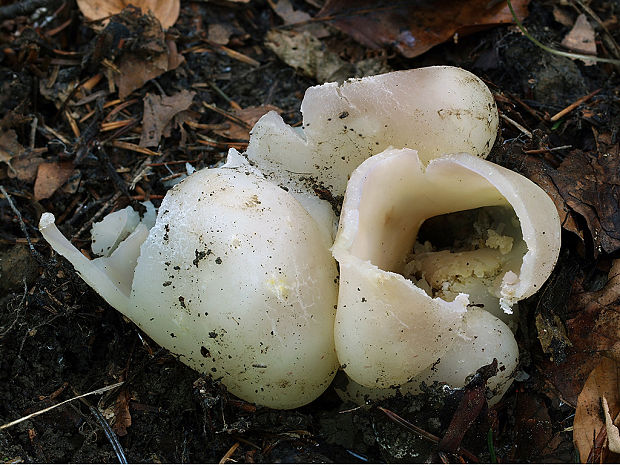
(230, 452)
(552, 50)
(96, 216)
(109, 432)
(410, 426)
(420, 432)
(33, 251)
(230, 116)
(33, 131)
(28, 417)
(517, 125)
(574, 105)
(551, 149)
(133, 147)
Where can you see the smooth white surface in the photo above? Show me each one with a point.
(388, 330)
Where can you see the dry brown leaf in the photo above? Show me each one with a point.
(285, 10)
(166, 11)
(149, 58)
(158, 114)
(306, 53)
(589, 416)
(585, 185)
(533, 427)
(25, 167)
(594, 333)
(613, 435)
(562, 16)
(414, 26)
(50, 176)
(581, 38)
(9, 148)
(250, 116)
(136, 70)
(122, 417)
(220, 33)
(588, 183)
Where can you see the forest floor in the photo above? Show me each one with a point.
(70, 144)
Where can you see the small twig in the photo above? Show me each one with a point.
(552, 50)
(33, 131)
(28, 417)
(410, 426)
(232, 53)
(420, 432)
(228, 115)
(608, 39)
(230, 452)
(552, 149)
(517, 125)
(574, 105)
(221, 93)
(96, 216)
(116, 445)
(133, 147)
(22, 8)
(33, 251)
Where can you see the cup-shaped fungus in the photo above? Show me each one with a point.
(391, 329)
(435, 110)
(235, 278)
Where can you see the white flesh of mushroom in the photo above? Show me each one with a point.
(435, 110)
(235, 277)
(389, 330)
(252, 301)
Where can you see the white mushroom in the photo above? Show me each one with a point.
(388, 329)
(235, 278)
(435, 110)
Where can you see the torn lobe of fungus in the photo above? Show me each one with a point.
(244, 275)
(389, 330)
(435, 110)
(241, 285)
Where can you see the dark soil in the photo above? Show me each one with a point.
(58, 338)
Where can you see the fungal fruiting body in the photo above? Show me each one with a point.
(435, 110)
(236, 275)
(390, 330)
(235, 278)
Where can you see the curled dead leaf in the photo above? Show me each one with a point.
(151, 54)
(581, 39)
(584, 186)
(414, 26)
(594, 333)
(158, 114)
(599, 400)
(50, 176)
(166, 11)
(122, 416)
(9, 148)
(613, 434)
